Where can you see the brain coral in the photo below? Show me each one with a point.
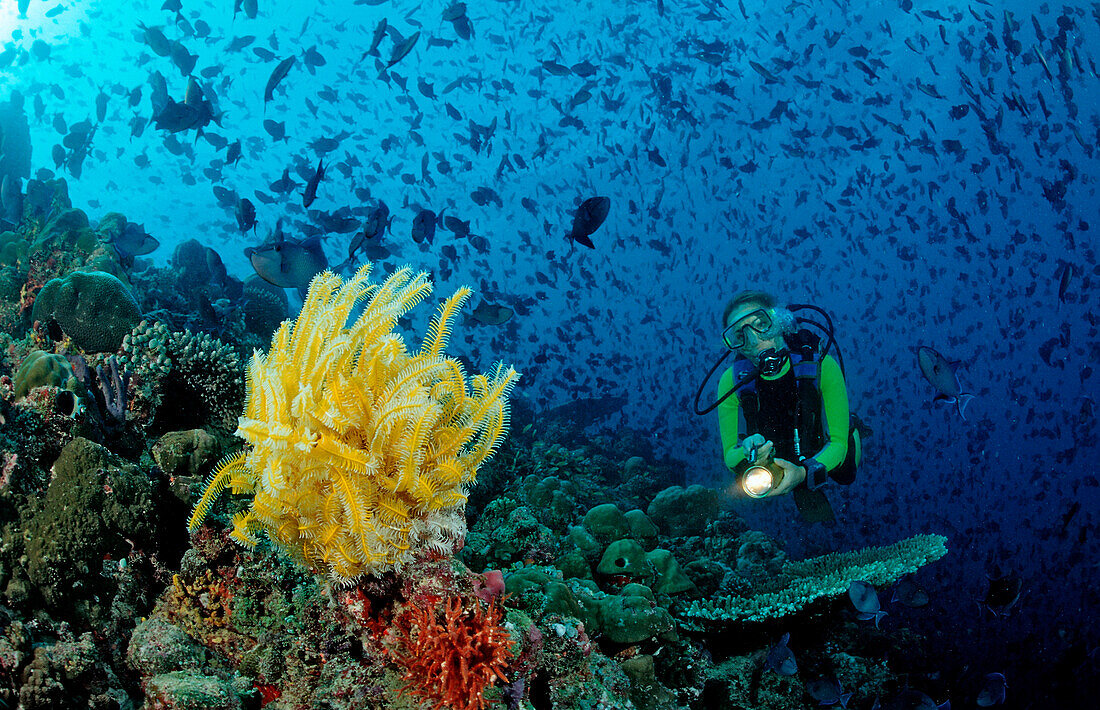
(359, 453)
(93, 308)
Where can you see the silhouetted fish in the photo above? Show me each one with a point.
(489, 314)
(588, 218)
(941, 375)
(277, 75)
(781, 659)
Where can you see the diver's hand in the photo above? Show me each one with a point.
(754, 441)
(758, 449)
(793, 474)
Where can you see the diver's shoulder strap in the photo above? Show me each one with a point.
(742, 368)
(805, 355)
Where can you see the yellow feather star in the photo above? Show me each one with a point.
(359, 454)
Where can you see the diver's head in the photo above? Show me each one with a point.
(754, 325)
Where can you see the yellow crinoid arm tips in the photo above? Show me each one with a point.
(228, 470)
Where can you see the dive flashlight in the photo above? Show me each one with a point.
(759, 479)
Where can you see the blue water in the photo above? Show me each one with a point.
(851, 196)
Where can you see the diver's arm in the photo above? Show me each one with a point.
(834, 403)
(729, 413)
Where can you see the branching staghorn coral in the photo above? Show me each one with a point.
(360, 454)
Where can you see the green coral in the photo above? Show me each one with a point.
(624, 557)
(802, 583)
(42, 369)
(196, 373)
(93, 308)
(680, 511)
(606, 523)
(633, 615)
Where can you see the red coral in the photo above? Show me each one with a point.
(268, 693)
(450, 661)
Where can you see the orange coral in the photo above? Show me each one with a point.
(450, 661)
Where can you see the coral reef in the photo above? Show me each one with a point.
(579, 572)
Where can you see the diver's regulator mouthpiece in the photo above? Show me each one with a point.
(772, 361)
(759, 480)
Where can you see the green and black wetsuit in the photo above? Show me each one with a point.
(809, 397)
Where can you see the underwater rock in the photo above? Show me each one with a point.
(680, 512)
(158, 647)
(759, 556)
(68, 229)
(69, 673)
(633, 466)
(541, 594)
(93, 308)
(707, 575)
(186, 453)
(66, 546)
(553, 499)
(508, 532)
(641, 528)
(264, 306)
(645, 691)
(632, 616)
(584, 543)
(669, 579)
(181, 690)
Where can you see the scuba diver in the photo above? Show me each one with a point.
(790, 392)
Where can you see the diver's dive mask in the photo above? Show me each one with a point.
(760, 322)
(772, 361)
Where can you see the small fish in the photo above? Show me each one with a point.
(423, 228)
(865, 599)
(909, 593)
(1063, 282)
(781, 659)
(402, 50)
(993, 691)
(277, 75)
(488, 314)
(379, 33)
(134, 241)
(1002, 593)
(246, 214)
(233, 153)
(941, 375)
(588, 218)
(556, 69)
(250, 8)
(310, 193)
(827, 691)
